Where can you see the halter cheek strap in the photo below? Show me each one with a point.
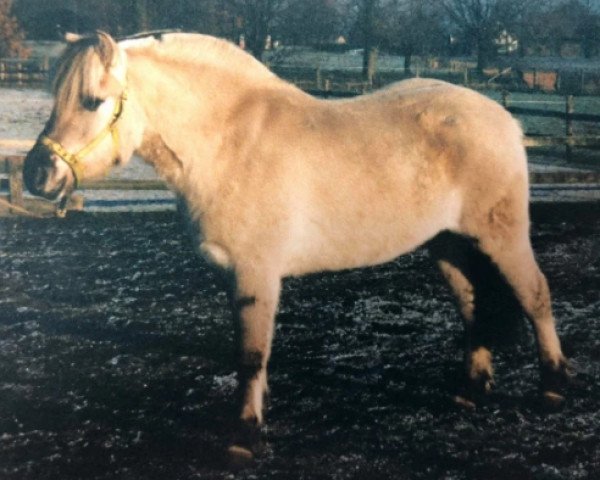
(75, 160)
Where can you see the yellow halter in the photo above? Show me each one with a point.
(74, 160)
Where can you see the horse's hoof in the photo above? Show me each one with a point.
(246, 443)
(464, 402)
(486, 385)
(475, 391)
(239, 457)
(556, 380)
(552, 401)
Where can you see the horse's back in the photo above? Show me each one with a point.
(361, 181)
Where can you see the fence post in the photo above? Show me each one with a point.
(505, 98)
(15, 181)
(570, 108)
(372, 65)
(466, 76)
(319, 78)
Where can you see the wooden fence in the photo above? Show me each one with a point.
(24, 71)
(36, 71)
(568, 115)
(11, 166)
(11, 179)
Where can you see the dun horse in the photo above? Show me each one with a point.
(279, 183)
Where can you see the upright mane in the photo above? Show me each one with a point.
(199, 49)
(84, 62)
(80, 68)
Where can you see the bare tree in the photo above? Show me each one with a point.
(480, 21)
(309, 22)
(363, 26)
(521, 19)
(413, 27)
(573, 21)
(141, 15)
(367, 16)
(11, 34)
(476, 22)
(257, 17)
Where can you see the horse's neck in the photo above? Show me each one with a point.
(186, 108)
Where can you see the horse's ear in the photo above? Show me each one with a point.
(72, 37)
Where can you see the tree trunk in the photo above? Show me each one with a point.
(407, 61)
(482, 56)
(142, 18)
(368, 35)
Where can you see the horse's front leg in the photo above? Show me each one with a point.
(255, 298)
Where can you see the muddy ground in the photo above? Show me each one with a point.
(116, 363)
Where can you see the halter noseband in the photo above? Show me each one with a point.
(74, 160)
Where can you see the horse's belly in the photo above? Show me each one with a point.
(346, 255)
(339, 245)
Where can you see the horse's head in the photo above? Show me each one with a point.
(84, 135)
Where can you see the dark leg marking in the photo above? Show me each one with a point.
(250, 364)
(244, 302)
(248, 437)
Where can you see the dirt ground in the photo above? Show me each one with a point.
(116, 363)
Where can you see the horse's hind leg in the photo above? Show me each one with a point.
(507, 243)
(457, 262)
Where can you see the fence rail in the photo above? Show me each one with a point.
(24, 71)
(11, 165)
(578, 80)
(15, 202)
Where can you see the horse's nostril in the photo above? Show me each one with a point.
(35, 172)
(40, 176)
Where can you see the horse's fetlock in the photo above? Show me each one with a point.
(250, 365)
(479, 382)
(251, 422)
(556, 376)
(480, 365)
(252, 360)
(481, 385)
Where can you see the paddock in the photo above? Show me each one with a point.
(116, 361)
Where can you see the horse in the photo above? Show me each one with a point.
(278, 183)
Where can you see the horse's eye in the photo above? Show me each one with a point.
(91, 103)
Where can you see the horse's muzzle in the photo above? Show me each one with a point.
(40, 174)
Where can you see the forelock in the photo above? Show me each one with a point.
(81, 67)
